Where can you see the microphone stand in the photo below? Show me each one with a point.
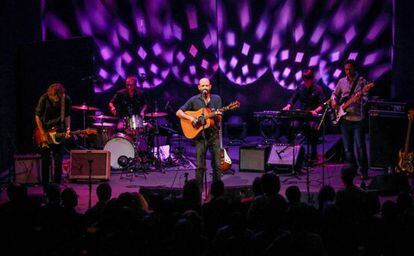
(322, 125)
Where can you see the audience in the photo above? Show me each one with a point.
(347, 222)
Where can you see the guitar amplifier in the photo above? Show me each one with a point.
(285, 157)
(27, 169)
(387, 130)
(253, 158)
(82, 161)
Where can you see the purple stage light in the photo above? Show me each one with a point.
(337, 73)
(156, 49)
(207, 41)
(193, 51)
(378, 71)
(233, 62)
(192, 69)
(371, 58)
(298, 32)
(106, 53)
(103, 73)
(276, 75)
(353, 56)
(261, 28)
(164, 73)
(350, 34)
(180, 57)
(126, 57)
(230, 39)
(192, 17)
(286, 72)
(244, 14)
(57, 26)
(299, 57)
(335, 56)
(245, 49)
(142, 53)
(204, 64)
(317, 34)
(114, 39)
(314, 61)
(257, 58)
(326, 45)
(123, 32)
(107, 86)
(377, 28)
(141, 70)
(114, 78)
(177, 32)
(154, 68)
(245, 69)
(284, 55)
(298, 75)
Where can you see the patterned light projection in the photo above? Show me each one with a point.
(159, 38)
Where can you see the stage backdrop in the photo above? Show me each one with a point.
(254, 51)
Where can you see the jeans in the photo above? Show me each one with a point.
(212, 143)
(55, 151)
(353, 131)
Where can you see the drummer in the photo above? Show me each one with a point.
(128, 102)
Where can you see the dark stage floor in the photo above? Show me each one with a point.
(174, 177)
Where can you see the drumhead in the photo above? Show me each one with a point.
(120, 145)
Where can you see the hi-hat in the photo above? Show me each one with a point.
(103, 124)
(103, 117)
(85, 107)
(156, 114)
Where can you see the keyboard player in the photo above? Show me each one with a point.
(307, 97)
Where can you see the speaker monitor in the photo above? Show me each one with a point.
(253, 158)
(99, 164)
(27, 169)
(387, 133)
(389, 184)
(283, 157)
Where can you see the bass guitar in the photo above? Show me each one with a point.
(341, 111)
(204, 119)
(56, 137)
(406, 158)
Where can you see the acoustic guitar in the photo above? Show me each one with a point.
(406, 158)
(56, 137)
(341, 111)
(204, 119)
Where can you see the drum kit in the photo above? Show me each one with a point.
(129, 139)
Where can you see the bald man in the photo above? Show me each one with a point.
(211, 141)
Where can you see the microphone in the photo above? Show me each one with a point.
(167, 104)
(204, 92)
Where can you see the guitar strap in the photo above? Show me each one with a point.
(62, 111)
(353, 87)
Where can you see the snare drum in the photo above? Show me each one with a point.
(120, 145)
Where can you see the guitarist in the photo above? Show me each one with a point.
(48, 114)
(352, 125)
(210, 138)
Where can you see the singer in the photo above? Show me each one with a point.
(209, 139)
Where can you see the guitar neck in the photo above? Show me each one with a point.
(212, 114)
(408, 135)
(351, 100)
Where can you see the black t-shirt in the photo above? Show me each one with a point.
(49, 113)
(125, 105)
(309, 98)
(196, 102)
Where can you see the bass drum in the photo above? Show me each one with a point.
(120, 145)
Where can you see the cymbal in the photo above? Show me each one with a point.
(85, 107)
(103, 124)
(103, 117)
(156, 114)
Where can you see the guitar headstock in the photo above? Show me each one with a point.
(89, 131)
(411, 114)
(368, 87)
(233, 105)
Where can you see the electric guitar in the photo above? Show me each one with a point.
(204, 119)
(55, 137)
(225, 160)
(406, 159)
(341, 111)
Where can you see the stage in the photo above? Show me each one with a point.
(170, 178)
